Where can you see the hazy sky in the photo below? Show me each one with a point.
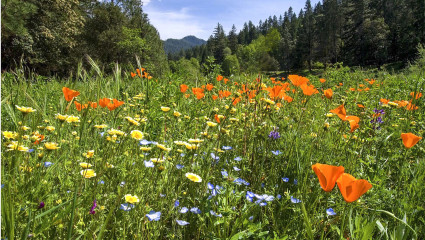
(179, 18)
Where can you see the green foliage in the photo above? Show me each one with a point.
(230, 65)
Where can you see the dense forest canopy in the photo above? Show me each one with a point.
(52, 37)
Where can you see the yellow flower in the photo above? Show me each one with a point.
(215, 109)
(14, 146)
(50, 128)
(25, 110)
(115, 132)
(24, 128)
(85, 165)
(88, 173)
(136, 134)
(193, 177)
(73, 119)
(192, 146)
(132, 121)
(100, 126)
(218, 150)
(163, 147)
(25, 137)
(145, 149)
(187, 117)
(89, 154)
(180, 143)
(211, 124)
(234, 119)
(25, 168)
(165, 109)
(61, 117)
(195, 140)
(108, 165)
(10, 135)
(51, 146)
(177, 114)
(131, 199)
(271, 102)
(157, 160)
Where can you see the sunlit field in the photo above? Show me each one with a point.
(128, 155)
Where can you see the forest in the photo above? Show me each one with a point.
(53, 37)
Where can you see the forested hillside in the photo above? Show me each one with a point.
(357, 33)
(176, 45)
(52, 37)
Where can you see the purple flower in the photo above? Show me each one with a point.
(285, 179)
(92, 211)
(41, 205)
(274, 134)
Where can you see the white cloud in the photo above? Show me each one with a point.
(176, 24)
(146, 2)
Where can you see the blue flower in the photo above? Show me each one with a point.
(295, 200)
(236, 169)
(126, 206)
(176, 203)
(195, 210)
(215, 214)
(145, 142)
(153, 216)
(182, 154)
(179, 166)
(48, 164)
(226, 148)
(330, 212)
(122, 184)
(279, 196)
(251, 218)
(285, 179)
(149, 164)
(181, 222)
(240, 181)
(214, 156)
(30, 150)
(101, 182)
(210, 186)
(238, 159)
(277, 152)
(224, 173)
(184, 210)
(162, 195)
(249, 196)
(295, 181)
(262, 204)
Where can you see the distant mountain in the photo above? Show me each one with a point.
(175, 45)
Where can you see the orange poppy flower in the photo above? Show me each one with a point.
(411, 106)
(361, 85)
(80, 106)
(138, 73)
(418, 95)
(298, 80)
(40, 138)
(354, 122)
(225, 80)
(133, 74)
(275, 91)
(322, 80)
(104, 102)
(352, 89)
(69, 94)
(217, 118)
(197, 90)
(214, 97)
(371, 81)
(114, 104)
(308, 89)
(210, 87)
(235, 101)
(360, 106)
(199, 95)
(327, 175)
(352, 188)
(340, 84)
(384, 101)
(328, 93)
(183, 88)
(219, 78)
(340, 111)
(410, 139)
(187, 95)
(93, 104)
(288, 98)
(366, 89)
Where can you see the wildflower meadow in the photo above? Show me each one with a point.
(127, 155)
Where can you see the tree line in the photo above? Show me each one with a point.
(52, 37)
(355, 32)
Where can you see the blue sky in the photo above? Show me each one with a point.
(179, 18)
